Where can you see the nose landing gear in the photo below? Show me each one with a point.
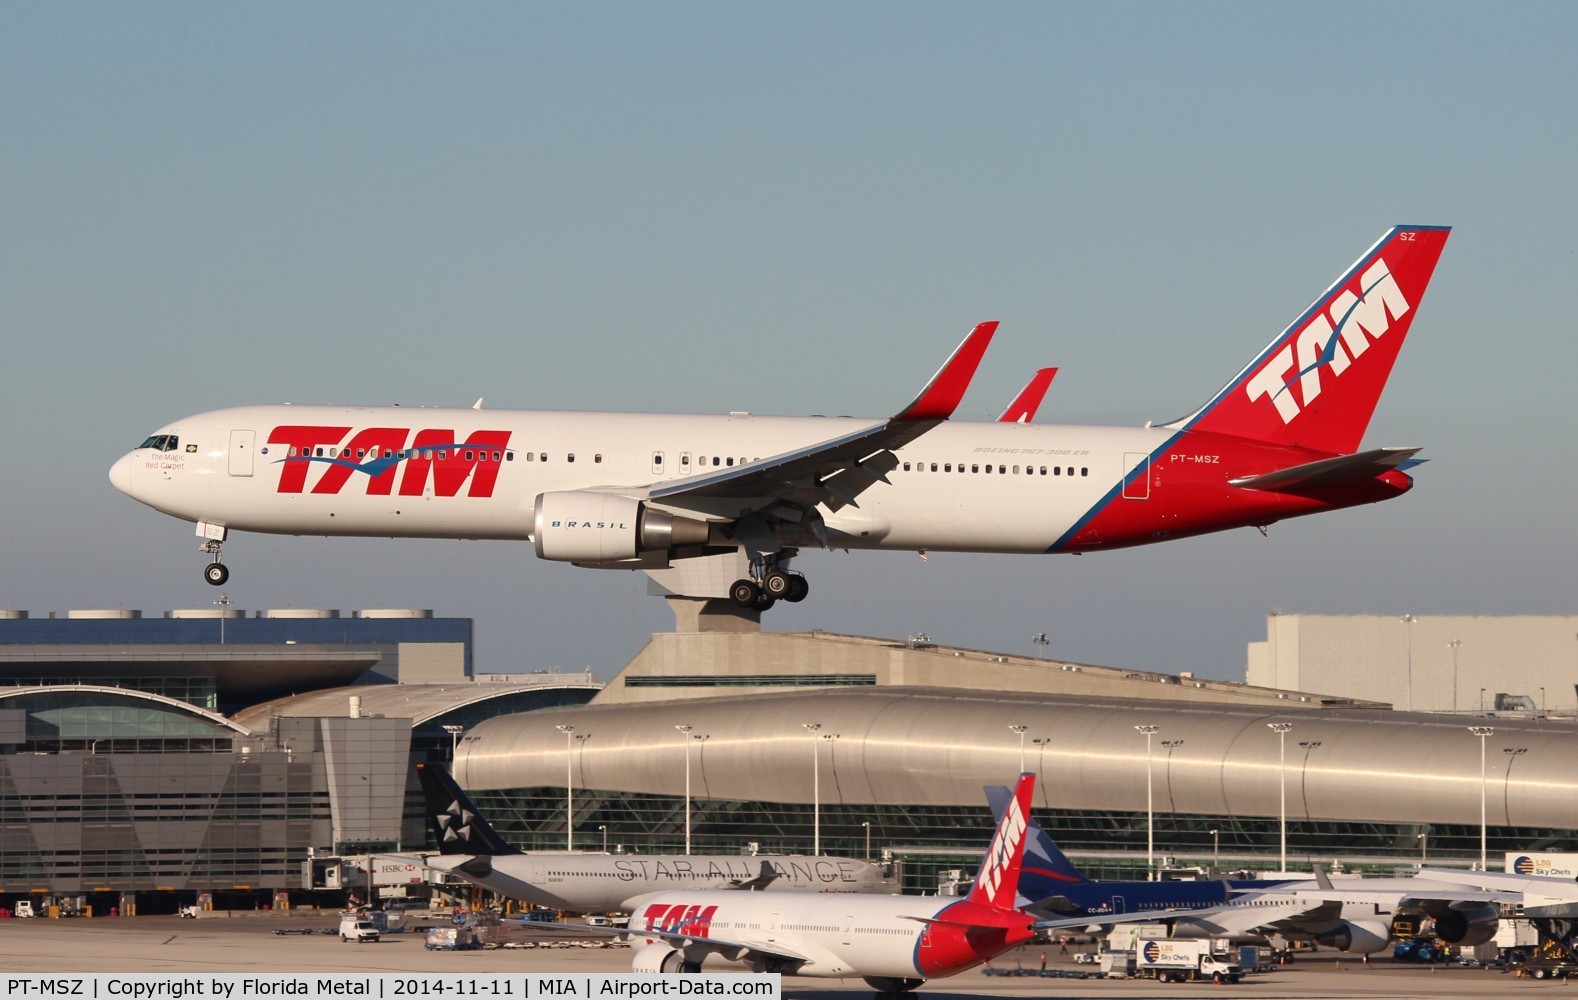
(215, 572)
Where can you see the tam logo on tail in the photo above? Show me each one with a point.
(1316, 385)
(1332, 343)
(998, 881)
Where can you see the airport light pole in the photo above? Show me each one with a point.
(454, 732)
(816, 787)
(1482, 732)
(1409, 620)
(1150, 815)
(867, 825)
(1454, 645)
(569, 786)
(1513, 753)
(603, 829)
(1216, 849)
(1020, 731)
(1424, 846)
(1281, 729)
(223, 603)
(684, 734)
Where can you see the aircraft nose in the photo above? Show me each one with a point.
(121, 474)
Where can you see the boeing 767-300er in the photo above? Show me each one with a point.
(697, 500)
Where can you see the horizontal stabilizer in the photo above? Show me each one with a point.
(1330, 471)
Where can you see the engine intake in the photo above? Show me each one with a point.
(586, 526)
(1467, 924)
(1362, 937)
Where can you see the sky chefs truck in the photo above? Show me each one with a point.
(1174, 961)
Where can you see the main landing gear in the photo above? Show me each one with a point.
(215, 572)
(776, 585)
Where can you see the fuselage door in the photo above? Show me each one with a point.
(241, 447)
(1137, 486)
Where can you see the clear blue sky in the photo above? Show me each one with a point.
(787, 209)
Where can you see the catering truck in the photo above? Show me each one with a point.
(1182, 961)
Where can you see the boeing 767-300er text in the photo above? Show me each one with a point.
(697, 500)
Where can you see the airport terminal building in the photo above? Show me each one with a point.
(888, 743)
(145, 761)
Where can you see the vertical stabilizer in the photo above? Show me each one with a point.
(452, 817)
(1317, 384)
(997, 883)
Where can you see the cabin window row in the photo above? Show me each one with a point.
(432, 454)
(1002, 470)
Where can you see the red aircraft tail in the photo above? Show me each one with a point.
(997, 883)
(1317, 384)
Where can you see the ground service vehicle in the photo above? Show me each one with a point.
(357, 928)
(1181, 961)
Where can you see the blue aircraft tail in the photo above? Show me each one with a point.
(1046, 871)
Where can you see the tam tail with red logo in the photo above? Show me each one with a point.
(998, 880)
(1317, 384)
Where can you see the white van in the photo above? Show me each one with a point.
(24, 908)
(354, 927)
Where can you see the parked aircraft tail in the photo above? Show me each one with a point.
(1317, 384)
(453, 818)
(1045, 871)
(997, 883)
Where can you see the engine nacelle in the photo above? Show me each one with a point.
(657, 957)
(1467, 924)
(585, 526)
(1362, 937)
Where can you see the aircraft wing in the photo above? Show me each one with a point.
(1443, 893)
(1549, 886)
(1330, 471)
(1225, 919)
(836, 471)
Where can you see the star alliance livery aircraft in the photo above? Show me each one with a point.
(698, 500)
(609, 883)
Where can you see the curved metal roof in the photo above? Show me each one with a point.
(112, 694)
(922, 746)
(418, 702)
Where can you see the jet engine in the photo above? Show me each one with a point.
(1466, 923)
(1364, 937)
(583, 526)
(658, 957)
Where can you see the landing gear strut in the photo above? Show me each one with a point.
(215, 572)
(777, 584)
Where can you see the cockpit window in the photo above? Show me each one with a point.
(162, 442)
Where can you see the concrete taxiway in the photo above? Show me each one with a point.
(249, 944)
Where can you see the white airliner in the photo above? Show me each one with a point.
(613, 883)
(894, 942)
(699, 500)
(1349, 914)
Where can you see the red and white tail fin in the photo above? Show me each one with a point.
(1023, 409)
(997, 883)
(1316, 385)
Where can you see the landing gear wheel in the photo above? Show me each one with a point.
(764, 602)
(777, 583)
(216, 574)
(744, 593)
(798, 588)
